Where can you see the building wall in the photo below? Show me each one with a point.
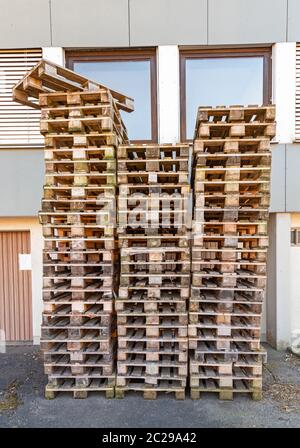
(78, 23)
(21, 181)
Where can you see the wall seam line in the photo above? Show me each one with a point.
(207, 21)
(287, 21)
(128, 13)
(50, 13)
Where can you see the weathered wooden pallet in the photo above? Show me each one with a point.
(251, 296)
(245, 160)
(68, 282)
(72, 211)
(78, 359)
(138, 373)
(161, 255)
(258, 228)
(73, 230)
(228, 281)
(223, 130)
(48, 77)
(172, 189)
(144, 177)
(76, 337)
(231, 146)
(169, 321)
(137, 366)
(152, 166)
(80, 179)
(66, 307)
(230, 214)
(251, 265)
(80, 166)
(223, 311)
(214, 254)
(77, 124)
(80, 140)
(53, 348)
(153, 151)
(238, 241)
(225, 364)
(154, 343)
(223, 342)
(226, 305)
(79, 244)
(239, 386)
(146, 305)
(91, 370)
(233, 201)
(81, 374)
(90, 154)
(61, 255)
(151, 392)
(99, 111)
(225, 324)
(153, 292)
(77, 324)
(154, 280)
(69, 271)
(86, 192)
(79, 294)
(93, 311)
(236, 113)
(224, 375)
(159, 240)
(106, 386)
(152, 319)
(170, 349)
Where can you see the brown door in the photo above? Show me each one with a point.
(15, 287)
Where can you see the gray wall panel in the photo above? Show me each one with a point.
(293, 21)
(24, 23)
(278, 179)
(88, 23)
(168, 22)
(246, 22)
(293, 178)
(21, 182)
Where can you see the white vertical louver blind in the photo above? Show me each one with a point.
(298, 92)
(19, 125)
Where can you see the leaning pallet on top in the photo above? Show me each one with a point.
(151, 306)
(82, 129)
(232, 160)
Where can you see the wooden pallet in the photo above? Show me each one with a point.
(239, 387)
(231, 146)
(100, 385)
(47, 77)
(151, 392)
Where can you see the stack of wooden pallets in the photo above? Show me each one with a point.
(231, 192)
(82, 131)
(82, 125)
(153, 235)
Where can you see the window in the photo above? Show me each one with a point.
(132, 72)
(218, 77)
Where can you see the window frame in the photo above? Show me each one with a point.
(119, 55)
(196, 53)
